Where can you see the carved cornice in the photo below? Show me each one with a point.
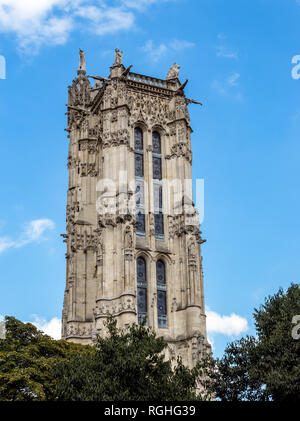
(126, 303)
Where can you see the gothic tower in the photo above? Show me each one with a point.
(133, 238)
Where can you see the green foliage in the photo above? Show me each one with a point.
(266, 367)
(127, 365)
(27, 357)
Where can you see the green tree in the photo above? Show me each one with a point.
(265, 367)
(127, 365)
(27, 357)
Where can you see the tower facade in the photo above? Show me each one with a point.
(133, 238)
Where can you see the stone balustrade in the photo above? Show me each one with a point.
(152, 81)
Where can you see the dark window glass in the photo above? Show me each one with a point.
(159, 224)
(157, 175)
(157, 187)
(140, 222)
(160, 273)
(161, 295)
(138, 139)
(156, 143)
(139, 173)
(139, 164)
(141, 289)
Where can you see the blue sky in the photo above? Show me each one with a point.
(237, 55)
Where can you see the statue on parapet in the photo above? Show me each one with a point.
(118, 57)
(81, 61)
(173, 73)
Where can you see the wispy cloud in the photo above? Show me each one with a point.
(142, 4)
(222, 36)
(105, 20)
(232, 325)
(51, 327)
(156, 52)
(50, 22)
(32, 232)
(233, 79)
(179, 45)
(228, 86)
(224, 51)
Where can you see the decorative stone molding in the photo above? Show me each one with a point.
(123, 304)
(78, 329)
(88, 170)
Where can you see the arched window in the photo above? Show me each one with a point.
(161, 294)
(157, 185)
(139, 180)
(141, 289)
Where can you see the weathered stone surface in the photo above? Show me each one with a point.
(103, 244)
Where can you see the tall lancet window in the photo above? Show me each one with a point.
(161, 294)
(139, 180)
(141, 289)
(157, 186)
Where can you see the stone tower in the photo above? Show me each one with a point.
(133, 238)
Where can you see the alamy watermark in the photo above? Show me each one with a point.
(296, 69)
(170, 197)
(2, 67)
(296, 328)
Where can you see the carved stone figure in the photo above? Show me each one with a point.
(173, 71)
(128, 238)
(118, 57)
(81, 61)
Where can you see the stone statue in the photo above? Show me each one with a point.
(128, 239)
(81, 60)
(192, 249)
(118, 57)
(173, 72)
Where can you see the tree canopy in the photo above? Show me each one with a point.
(127, 365)
(27, 359)
(267, 366)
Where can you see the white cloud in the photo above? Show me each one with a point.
(32, 233)
(179, 45)
(142, 4)
(232, 325)
(223, 51)
(105, 20)
(36, 228)
(157, 52)
(233, 79)
(34, 22)
(228, 86)
(38, 22)
(5, 243)
(51, 328)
